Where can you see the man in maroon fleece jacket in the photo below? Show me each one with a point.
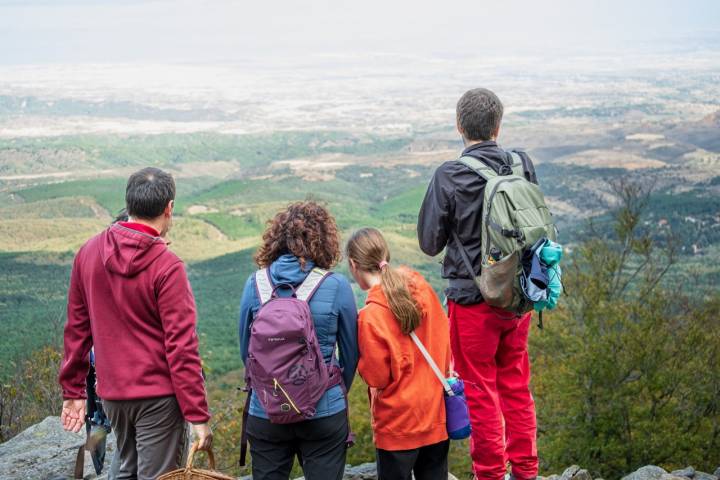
(130, 298)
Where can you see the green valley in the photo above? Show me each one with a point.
(368, 153)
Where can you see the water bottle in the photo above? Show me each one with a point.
(456, 411)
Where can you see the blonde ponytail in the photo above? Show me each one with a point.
(368, 249)
(401, 302)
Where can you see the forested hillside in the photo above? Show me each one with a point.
(625, 372)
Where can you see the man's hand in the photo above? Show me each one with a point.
(73, 414)
(203, 435)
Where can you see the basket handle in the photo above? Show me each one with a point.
(191, 456)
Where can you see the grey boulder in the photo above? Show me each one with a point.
(575, 473)
(688, 472)
(46, 451)
(569, 472)
(648, 472)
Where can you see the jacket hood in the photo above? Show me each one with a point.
(127, 252)
(377, 296)
(286, 269)
(489, 152)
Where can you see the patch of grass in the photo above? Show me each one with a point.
(108, 192)
(218, 284)
(404, 207)
(32, 303)
(72, 207)
(47, 235)
(235, 226)
(193, 240)
(167, 150)
(286, 188)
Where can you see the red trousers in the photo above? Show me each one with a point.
(491, 355)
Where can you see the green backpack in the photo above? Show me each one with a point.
(514, 217)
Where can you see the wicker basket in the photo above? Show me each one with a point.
(190, 473)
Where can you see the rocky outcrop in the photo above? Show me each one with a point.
(571, 473)
(652, 472)
(47, 452)
(648, 472)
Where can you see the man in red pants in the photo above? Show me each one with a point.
(489, 344)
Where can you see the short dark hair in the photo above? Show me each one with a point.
(479, 112)
(122, 216)
(148, 192)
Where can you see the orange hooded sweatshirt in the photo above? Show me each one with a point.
(406, 398)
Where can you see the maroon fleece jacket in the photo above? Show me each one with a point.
(130, 298)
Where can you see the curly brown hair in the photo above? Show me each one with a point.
(305, 229)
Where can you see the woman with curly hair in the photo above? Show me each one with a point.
(299, 244)
(406, 398)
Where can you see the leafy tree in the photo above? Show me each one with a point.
(628, 371)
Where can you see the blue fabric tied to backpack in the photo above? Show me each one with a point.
(550, 254)
(541, 279)
(534, 280)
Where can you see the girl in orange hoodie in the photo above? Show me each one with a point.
(406, 398)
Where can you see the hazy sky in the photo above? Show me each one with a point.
(71, 31)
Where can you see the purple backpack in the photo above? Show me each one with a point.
(285, 366)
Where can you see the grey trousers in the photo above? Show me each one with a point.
(152, 436)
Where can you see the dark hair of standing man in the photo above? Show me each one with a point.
(148, 193)
(479, 112)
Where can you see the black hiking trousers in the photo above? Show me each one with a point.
(427, 463)
(319, 444)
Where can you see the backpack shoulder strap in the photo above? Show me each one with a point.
(522, 165)
(515, 163)
(478, 166)
(464, 255)
(263, 285)
(311, 283)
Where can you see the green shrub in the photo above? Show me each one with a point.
(31, 394)
(628, 372)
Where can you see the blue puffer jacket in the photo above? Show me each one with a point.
(335, 315)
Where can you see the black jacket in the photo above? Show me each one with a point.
(454, 202)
